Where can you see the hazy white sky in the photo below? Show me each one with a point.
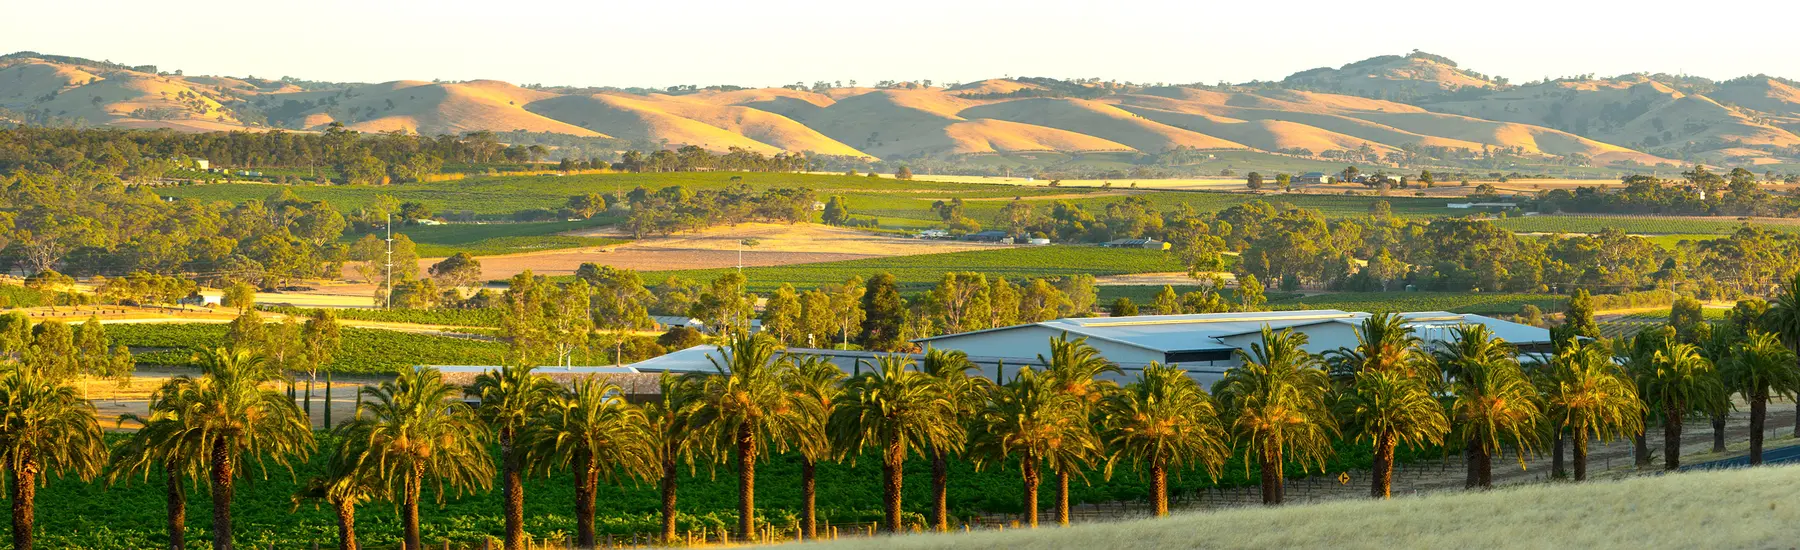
(772, 42)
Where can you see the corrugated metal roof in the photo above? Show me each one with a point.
(1165, 333)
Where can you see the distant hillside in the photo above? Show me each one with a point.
(1403, 109)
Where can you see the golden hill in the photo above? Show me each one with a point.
(1380, 106)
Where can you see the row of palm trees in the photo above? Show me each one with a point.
(1283, 406)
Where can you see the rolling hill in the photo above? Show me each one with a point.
(1376, 110)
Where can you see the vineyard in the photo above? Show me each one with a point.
(77, 514)
(920, 272)
(481, 317)
(438, 241)
(363, 351)
(1643, 225)
(1456, 302)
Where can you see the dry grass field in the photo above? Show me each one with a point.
(1747, 508)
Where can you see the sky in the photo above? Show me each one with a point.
(659, 43)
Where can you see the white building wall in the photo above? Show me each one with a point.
(1028, 342)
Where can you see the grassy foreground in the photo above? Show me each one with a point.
(1747, 508)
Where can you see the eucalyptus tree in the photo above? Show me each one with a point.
(899, 411)
(1277, 400)
(1162, 421)
(589, 430)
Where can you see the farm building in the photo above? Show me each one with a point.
(1143, 242)
(1206, 344)
(1313, 177)
(989, 236)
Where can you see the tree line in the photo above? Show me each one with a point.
(1063, 418)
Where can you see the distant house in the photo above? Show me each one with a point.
(203, 164)
(426, 221)
(989, 236)
(671, 321)
(1142, 242)
(1468, 205)
(934, 234)
(1038, 241)
(1313, 177)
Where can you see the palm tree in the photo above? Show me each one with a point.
(411, 429)
(670, 440)
(590, 429)
(744, 407)
(1588, 393)
(1759, 367)
(345, 483)
(1074, 368)
(1029, 418)
(1164, 420)
(230, 416)
(1678, 381)
(1783, 319)
(1496, 406)
(46, 427)
(899, 411)
(510, 398)
(1387, 397)
(162, 440)
(950, 370)
(815, 381)
(1277, 400)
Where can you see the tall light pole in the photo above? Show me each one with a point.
(387, 282)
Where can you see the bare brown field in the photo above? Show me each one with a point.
(775, 244)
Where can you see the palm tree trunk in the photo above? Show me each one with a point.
(24, 501)
(1556, 462)
(746, 456)
(1159, 488)
(892, 459)
(1062, 497)
(409, 509)
(809, 515)
(587, 483)
(1718, 426)
(1383, 469)
(346, 516)
(1472, 478)
(1581, 459)
(668, 499)
(223, 476)
(1759, 413)
(1671, 439)
(327, 403)
(1641, 449)
(512, 490)
(1029, 467)
(1271, 481)
(940, 491)
(1484, 467)
(177, 497)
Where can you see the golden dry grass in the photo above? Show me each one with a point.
(1748, 508)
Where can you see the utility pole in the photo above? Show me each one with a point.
(387, 297)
